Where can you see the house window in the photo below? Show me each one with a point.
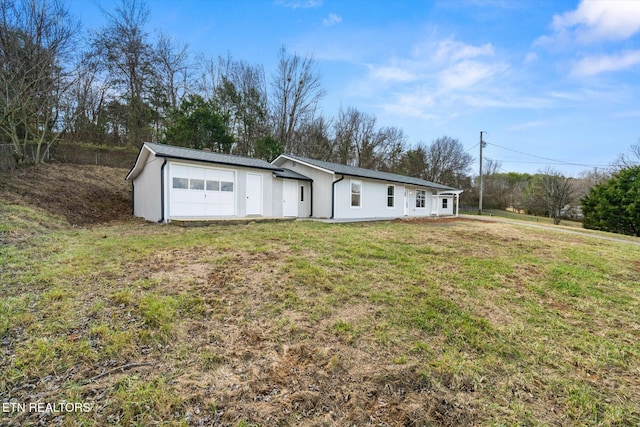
(213, 185)
(356, 193)
(302, 193)
(196, 184)
(390, 195)
(226, 186)
(445, 203)
(182, 183)
(420, 198)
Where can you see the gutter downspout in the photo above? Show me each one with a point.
(162, 190)
(333, 196)
(133, 198)
(311, 199)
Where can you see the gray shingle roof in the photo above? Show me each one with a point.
(172, 152)
(368, 173)
(288, 173)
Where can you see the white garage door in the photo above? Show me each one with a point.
(201, 192)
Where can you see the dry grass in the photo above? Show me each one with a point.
(403, 323)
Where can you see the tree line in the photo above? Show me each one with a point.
(126, 86)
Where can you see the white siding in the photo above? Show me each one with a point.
(146, 190)
(373, 200)
(322, 187)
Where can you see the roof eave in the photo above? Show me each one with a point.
(169, 156)
(295, 159)
(138, 165)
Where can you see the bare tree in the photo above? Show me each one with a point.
(315, 141)
(555, 192)
(170, 77)
(359, 142)
(296, 91)
(355, 134)
(241, 95)
(36, 40)
(86, 114)
(172, 69)
(123, 49)
(443, 161)
(629, 159)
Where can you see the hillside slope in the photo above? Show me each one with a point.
(77, 194)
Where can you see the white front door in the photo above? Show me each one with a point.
(254, 194)
(406, 203)
(290, 198)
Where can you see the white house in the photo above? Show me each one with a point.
(176, 183)
(182, 183)
(349, 192)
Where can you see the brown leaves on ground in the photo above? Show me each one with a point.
(82, 194)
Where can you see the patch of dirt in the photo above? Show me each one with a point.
(83, 194)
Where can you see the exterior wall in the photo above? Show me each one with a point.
(240, 190)
(322, 186)
(146, 190)
(276, 202)
(373, 199)
(438, 208)
(304, 207)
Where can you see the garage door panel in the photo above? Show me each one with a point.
(203, 195)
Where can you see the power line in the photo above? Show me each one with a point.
(545, 163)
(555, 161)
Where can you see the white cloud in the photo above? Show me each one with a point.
(299, 4)
(592, 65)
(391, 74)
(530, 58)
(466, 74)
(599, 20)
(519, 127)
(451, 50)
(331, 20)
(439, 72)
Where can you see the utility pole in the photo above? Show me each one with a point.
(480, 201)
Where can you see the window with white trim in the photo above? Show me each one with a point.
(391, 189)
(445, 203)
(356, 194)
(421, 197)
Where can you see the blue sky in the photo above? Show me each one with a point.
(554, 79)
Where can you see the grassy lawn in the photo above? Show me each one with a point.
(397, 323)
(523, 217)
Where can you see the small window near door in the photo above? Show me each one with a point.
(181, 183)
(420, 198)
(356, 193)
(302, 193)
(445, 203)
(213, 185)
(391, 189)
